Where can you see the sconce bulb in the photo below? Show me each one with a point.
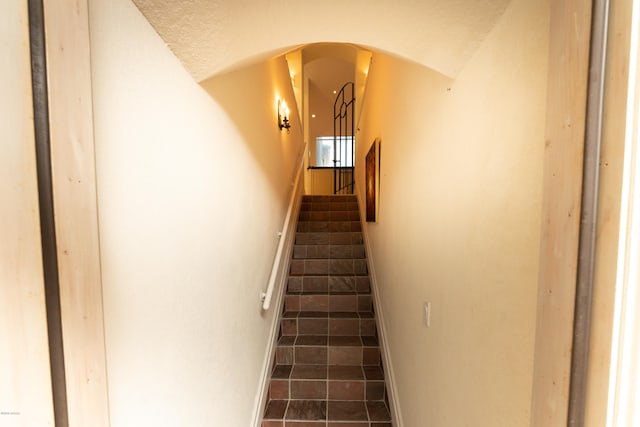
(283, 115)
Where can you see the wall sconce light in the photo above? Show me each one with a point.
(283, 116)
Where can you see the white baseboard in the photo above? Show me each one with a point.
(265, 377)
(396, 413)
(279, 291)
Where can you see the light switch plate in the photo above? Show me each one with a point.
(427, 314)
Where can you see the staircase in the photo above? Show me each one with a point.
(328, 370)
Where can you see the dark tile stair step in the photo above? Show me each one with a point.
(328, 238)
(328, 349)
(326, 251)
(328, 341)
(327, 315)
(328, 323)
(332, 206)
(329, 216)
(329, 197)
(326, 267)
(327, 382)
(324, 302)
(327, 372)
(334, 200)
(328, 284)
(329, 226)
(358, 411)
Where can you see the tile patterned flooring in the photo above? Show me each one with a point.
(328, 370)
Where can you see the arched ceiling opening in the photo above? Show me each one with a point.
(211, 36)
(326, 76)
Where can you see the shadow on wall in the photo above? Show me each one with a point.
(248, 96)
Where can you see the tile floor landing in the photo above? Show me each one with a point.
(328, 370)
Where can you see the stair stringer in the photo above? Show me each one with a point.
(280, 289)
(396, 413)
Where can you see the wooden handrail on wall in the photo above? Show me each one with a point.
(285, 237)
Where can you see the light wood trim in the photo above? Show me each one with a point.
(25, 381)
(564, 142)
(611, 165)
(74, 186)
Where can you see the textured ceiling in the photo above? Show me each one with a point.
(210, 36)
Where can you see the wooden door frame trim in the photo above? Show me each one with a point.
(567, 85)
(63, 104)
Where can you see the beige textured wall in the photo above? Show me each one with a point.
(459, 223)
(192, 187)
(294, 63)
(213, 35)
(321, 181)
(25, 385)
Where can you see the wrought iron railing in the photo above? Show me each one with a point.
(344, 140)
